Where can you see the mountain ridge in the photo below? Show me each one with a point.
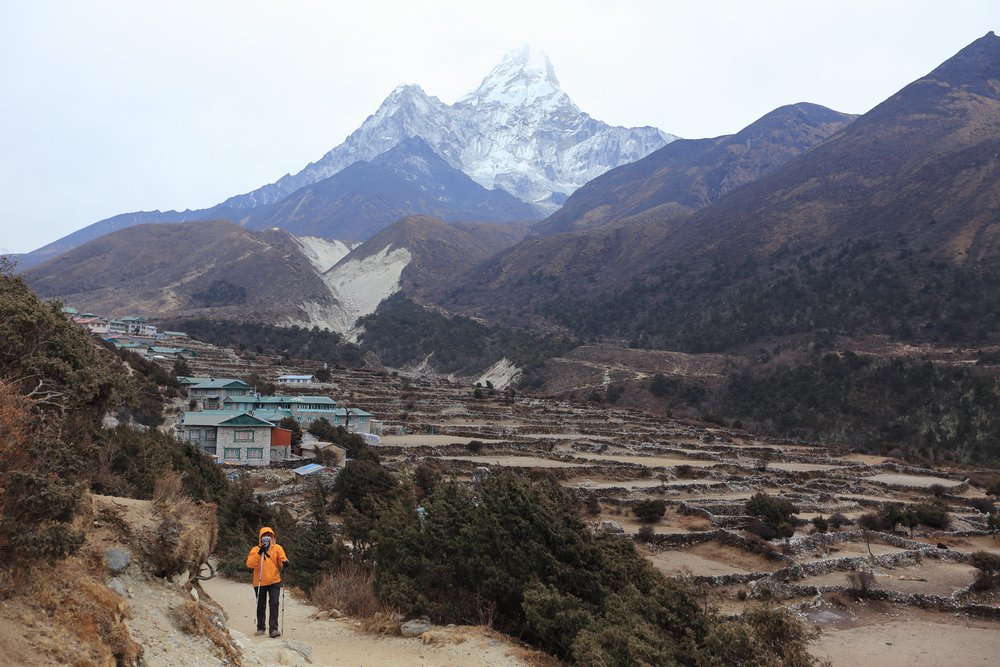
(537, 152)
(363, 198)
(890, 226)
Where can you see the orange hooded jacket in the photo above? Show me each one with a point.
(266, 570)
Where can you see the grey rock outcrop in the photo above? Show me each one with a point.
(117, 560)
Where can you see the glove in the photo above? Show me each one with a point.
(263, 550)
(285, 565)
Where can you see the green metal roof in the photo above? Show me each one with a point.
(244, 419)
(273, 416)
(220, 383)
(258, 399)
(224, 418)
(314, 399)
(190, 379)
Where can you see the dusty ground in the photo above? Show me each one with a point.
(337, 643)
(513, 461)
(949, 642)
(419, 439)
(929, 577)
(710, 559)
(916, 481)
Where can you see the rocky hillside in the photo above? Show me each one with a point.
(921, 165)
(438, 251)
(202, 268)
(689, 174)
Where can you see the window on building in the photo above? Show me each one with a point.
(194, 434)
(210, 435)
(243, 435)
(231, 453)
(255, 452)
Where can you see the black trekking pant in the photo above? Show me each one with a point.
(266, 592)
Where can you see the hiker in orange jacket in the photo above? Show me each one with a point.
(267, 560)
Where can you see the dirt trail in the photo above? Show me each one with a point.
(335, 643)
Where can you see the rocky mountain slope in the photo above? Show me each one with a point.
(415, 254)
(689, 174)
(439, 251)
(888, 227)
(409, 178)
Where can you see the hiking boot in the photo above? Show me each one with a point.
(275, 633)
(259, 633)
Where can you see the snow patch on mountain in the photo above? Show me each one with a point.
(322, 253)
(360, 285)
(518, 131)
(501, 375)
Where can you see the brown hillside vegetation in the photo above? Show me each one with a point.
(923, 163)
(195, 268)
(687, 174)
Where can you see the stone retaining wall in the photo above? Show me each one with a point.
(682, 540)
(729, 579)
(923, 600)
(913, 470)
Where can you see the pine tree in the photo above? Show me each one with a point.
(315, 553)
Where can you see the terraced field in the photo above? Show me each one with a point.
(616, 459)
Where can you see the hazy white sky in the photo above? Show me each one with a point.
(113, 106)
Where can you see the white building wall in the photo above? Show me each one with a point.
(261, 440)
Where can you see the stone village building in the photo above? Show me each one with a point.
(239, 438)
(239, 426)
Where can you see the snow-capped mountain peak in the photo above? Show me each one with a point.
(524, 76)
(408, 104)
(518, 131)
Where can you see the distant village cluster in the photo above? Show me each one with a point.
(227, 418)
(133, 333)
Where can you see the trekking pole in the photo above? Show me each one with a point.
(282, 608)
(256, 590)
